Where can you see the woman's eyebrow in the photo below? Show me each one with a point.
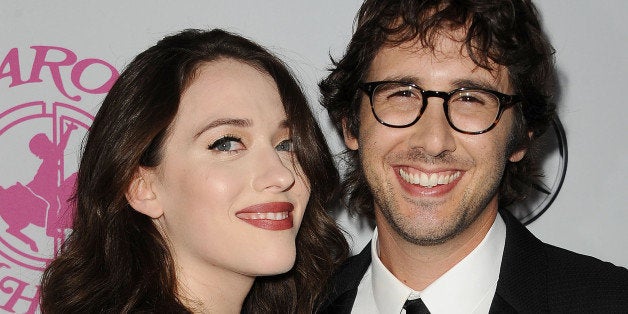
(284, 124)
(224, 121)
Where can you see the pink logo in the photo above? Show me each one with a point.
(39, 150)
(41, 203)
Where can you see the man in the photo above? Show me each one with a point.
(439, 103)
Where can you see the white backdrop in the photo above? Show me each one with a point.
(589, 215)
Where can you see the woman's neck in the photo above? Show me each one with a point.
(213, 290)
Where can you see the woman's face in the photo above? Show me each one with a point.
(228, 188)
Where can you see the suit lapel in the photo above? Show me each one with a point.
(344, 285)
(522, 284)
(500, 306)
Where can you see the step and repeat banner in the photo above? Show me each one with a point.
(59, 59)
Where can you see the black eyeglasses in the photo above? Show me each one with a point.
(468, 110)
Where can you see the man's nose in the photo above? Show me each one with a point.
(432, 133)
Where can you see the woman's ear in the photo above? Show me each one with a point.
(350, 140)
(141, 196)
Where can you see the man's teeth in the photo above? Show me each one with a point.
(429, 180)
(268, 216)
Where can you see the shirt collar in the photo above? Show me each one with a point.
(470, 282)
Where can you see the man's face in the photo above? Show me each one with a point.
(400, 162)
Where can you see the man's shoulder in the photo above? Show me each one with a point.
(577, 282)
(579, 274)
(568, 260)
(564, 263)
(539, 277)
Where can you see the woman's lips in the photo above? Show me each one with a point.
(270, 216)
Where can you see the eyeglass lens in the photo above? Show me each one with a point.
(398, 104)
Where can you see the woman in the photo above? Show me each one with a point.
(200, 167)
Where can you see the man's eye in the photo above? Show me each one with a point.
(468, 99)
(285, 145)
(226, 144)
(402, 93)
(474, 98)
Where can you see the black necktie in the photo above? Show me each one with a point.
(415, 306)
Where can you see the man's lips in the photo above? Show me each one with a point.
(428, 180)
(423, 184)
(269, 216)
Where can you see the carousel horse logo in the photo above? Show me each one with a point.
(36, 214)
(39, 150)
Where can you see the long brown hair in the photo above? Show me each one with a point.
(507, 32)
(115, 260)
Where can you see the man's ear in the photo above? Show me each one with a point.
(521, 152)
(350, 140)
(518, 155)
(141, 196)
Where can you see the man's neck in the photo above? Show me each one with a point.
(418, 266)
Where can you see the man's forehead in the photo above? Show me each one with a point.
(443, 48)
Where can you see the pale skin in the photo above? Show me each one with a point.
(228, 149)
(424, 231)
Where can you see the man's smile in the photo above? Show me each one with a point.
(428, 180)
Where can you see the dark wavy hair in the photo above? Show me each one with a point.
(115, 260)
(506, 32)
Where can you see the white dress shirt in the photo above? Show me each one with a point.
(468, 287)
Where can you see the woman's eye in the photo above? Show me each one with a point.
(226, 144)
(285, 145)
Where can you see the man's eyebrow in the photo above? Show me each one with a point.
(403, 78)
(224, 121)
(469, 83)
(460, 83)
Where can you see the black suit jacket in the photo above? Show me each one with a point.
(534, 278)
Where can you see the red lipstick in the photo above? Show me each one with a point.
(270, 216)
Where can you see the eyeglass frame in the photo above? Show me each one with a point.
(504, 102)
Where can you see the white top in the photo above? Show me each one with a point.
(468, 287)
